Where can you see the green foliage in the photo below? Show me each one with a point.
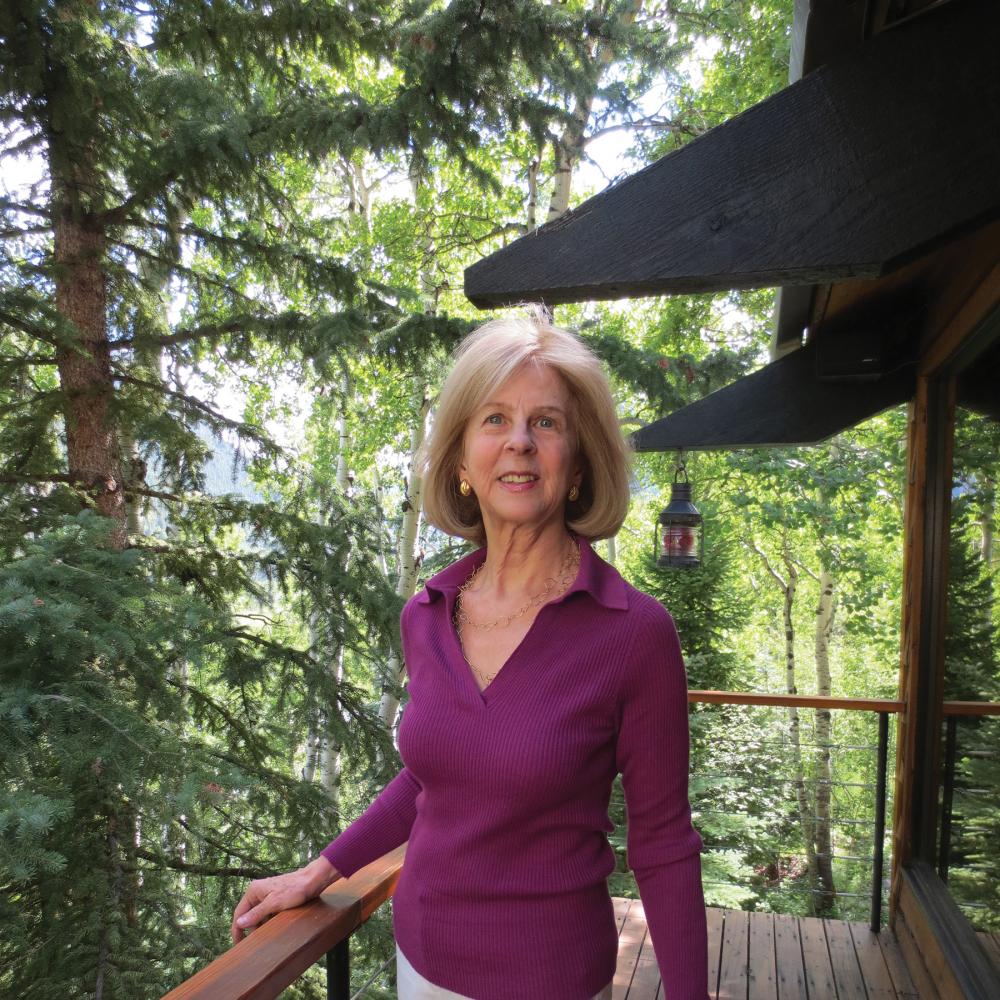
(972, 671)
(288, 195)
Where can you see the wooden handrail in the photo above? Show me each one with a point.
(824, 701)
(281, 949)
(970, 708)
(278, 952)
(794, 701)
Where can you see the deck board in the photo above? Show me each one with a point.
(629, 945)
(734, 960)
(761, 974)
(715, 919)
(844, 961)
(788, 958)
(764, 956)
(874, 971)
(816, 958)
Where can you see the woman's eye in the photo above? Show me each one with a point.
(494, 418)
(546, 422)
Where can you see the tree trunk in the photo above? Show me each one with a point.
(92, 443)
(330, 745)
(413, 505)
(408, 558)
(531, 223)
(568, 148)
(824, 838)
(788, 587)
(802, 797)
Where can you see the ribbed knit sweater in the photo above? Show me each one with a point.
(504, 797)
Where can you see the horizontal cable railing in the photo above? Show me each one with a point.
(777, 777)
(275, 954)
(280, 950)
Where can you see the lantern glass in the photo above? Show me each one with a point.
(680, 537)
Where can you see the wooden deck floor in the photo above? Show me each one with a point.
(764, 956)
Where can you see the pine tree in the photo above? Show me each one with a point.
(152, 699)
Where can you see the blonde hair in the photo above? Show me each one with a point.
(483, 362)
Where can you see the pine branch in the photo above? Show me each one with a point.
(185, 336)
(27, 359)
(155, 495)
(205, 838)
(194, 869)
(249, 737)
(19, 323)
(196, 277)
(29, 401)
(27, 207)
(244, 429)
(54, 477)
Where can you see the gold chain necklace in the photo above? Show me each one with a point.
(567, 573)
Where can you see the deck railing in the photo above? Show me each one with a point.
(882, 708)
(279, 951)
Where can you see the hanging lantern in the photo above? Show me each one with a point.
(680, 541)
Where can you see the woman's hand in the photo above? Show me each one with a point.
(267, 896)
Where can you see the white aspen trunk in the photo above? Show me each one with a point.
(408, 562)
(532, 218)
(612, 547)
(794, 729)
(330, 746)
(566, 148)
(805, 806)
(824, 737)
(569, 147)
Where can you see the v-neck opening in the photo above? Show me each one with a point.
(505, 666)
(482, 693)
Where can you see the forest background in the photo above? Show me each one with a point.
(230, 280)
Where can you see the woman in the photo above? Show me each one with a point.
(535, 675)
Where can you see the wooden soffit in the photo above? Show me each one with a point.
(856, 169)
(784, 403)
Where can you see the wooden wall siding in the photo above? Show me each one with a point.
(966, 321)
(850, 172)
(924, 591)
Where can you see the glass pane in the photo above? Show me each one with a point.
(969, 833)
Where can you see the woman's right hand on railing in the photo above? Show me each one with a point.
(266, 896)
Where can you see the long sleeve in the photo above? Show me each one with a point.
(663, 847)
(382, 827)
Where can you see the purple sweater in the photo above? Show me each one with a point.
(504, 797)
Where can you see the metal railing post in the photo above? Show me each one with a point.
(883, 757)
(944, 849)
(338, 971)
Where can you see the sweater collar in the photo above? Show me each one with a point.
(596, 577)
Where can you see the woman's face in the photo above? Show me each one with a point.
(519, 451)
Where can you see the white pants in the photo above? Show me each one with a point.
(410, 985)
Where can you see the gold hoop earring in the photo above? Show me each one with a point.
(574, 493)
(465, 488)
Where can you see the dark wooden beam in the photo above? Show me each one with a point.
(784, 403)
(823, 30)
(862, 165)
